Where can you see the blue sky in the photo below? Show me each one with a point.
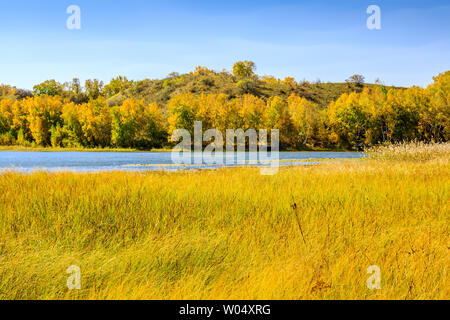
(140, 39)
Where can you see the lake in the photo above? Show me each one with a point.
(139, 161)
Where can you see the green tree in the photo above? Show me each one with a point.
(356, 79)
(49, 88)
(117, 85)
(93, 88)
(244, 69)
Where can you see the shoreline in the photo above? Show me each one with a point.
(163, 150)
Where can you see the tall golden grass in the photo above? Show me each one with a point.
(305, 233)
(411, 151)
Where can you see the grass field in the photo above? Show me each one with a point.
(305, 233)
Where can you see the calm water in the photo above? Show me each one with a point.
(135, 161)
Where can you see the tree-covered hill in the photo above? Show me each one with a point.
(200, 81)
(144, 114)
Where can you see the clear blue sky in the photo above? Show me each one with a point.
(140, 39)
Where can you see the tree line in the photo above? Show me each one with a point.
(103, 116)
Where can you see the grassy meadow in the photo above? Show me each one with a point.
(306, 233)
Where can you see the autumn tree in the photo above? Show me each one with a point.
(95, 120)
(72, 127)
(43, 112)
(435, 117)
(76, 93)
(117, 85)
(348, 120)
(251, 112)
(135, 124)
(277, 117)
(93, 88)
(356, 79)
(244, 69)
(48, 88)
(182, 112)
(304, 115)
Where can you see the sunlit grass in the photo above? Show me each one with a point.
(412, 151)
(229, 233)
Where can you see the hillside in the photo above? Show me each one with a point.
(202, 80)
(210, 82)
